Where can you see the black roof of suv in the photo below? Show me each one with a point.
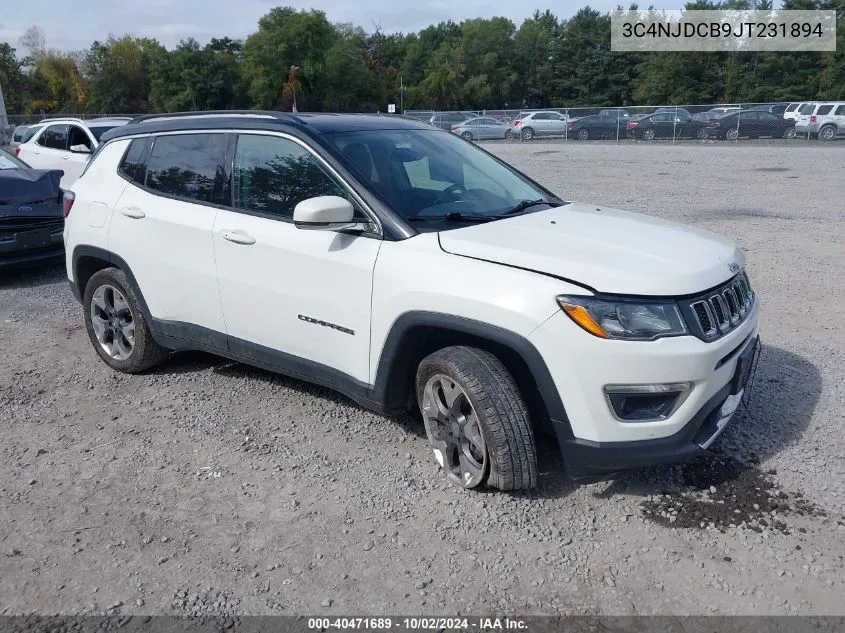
(309, 124)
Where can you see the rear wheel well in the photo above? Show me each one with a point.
(422, 340)
(84, 269)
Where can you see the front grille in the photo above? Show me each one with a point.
(721, 310)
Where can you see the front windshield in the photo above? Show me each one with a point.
(422, 173)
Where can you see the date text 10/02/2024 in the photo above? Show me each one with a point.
(416, 623)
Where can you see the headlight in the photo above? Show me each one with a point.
(622, 319)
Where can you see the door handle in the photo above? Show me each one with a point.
(133, 212)
(238, 237)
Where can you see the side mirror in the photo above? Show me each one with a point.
(80, 149)
(325, 213)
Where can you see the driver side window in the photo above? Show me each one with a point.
(77, 137)
(272, 175)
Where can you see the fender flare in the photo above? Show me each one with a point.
(398, 350)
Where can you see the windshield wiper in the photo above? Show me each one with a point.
(525, 204)
(455, 216)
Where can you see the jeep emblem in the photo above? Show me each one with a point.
(733, 266)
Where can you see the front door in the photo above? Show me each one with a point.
(291, 296)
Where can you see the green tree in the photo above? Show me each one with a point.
(117, 73)
(287, 37)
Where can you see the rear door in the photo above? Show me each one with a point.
(663, 123)
(46, 150)
(162, 226)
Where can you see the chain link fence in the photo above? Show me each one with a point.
(727, 122)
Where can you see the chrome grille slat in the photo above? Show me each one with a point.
(724, 308)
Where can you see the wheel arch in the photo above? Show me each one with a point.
(87, 260)
(414, 335)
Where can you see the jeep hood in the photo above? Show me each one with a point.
(608, 250)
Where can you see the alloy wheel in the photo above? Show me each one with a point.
(454, 431)
(113, 322)
(648, 135)
(583, 135)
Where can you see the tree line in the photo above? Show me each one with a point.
(479, 63)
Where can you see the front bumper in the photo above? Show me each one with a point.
(588, 458)
(593, 439)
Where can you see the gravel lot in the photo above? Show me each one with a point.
(210, 487)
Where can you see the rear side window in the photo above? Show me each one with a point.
(272, 175)
(54, 137)
(791, 107)
(29, 133)
(186, 165)
(825, 109)
(132, 166)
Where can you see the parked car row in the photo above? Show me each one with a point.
(825, 120)
(724, 123)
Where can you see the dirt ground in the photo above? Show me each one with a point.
(208, 487)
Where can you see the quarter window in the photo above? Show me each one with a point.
(132, 167)
(186, 165)
(840, 110)
(272, 175)
(54, 137)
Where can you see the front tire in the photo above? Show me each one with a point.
(731, 134)
(527, 134)
(116, 325)
(789, 132)
(648, 135)
(583, 134)
(476, 419)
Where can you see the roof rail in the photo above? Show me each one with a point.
(61, 118)
(267, 114)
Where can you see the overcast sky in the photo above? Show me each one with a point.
(74, 24)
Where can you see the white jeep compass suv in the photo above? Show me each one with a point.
(403, 266)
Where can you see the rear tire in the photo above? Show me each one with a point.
(827, 133)
(527, 134)
(583, 134)
(476, 419)
(467, 136)
(731, 134)
(648, 135)
(116, 324)
(789, 132)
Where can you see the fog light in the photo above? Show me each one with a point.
(646, 403)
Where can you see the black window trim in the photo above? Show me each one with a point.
(229, 170)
